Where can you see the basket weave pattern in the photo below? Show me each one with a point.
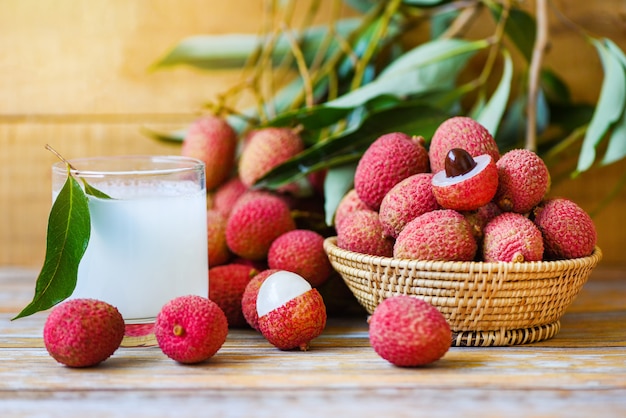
(484, 303)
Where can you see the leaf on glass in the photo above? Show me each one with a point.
(609, 108)
(491, 114)
(68, 234)
(520, 28)
(338, 181)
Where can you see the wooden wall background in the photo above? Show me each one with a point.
(73, 73)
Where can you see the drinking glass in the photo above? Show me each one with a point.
(148, 241)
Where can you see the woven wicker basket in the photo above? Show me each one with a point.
(486, 304)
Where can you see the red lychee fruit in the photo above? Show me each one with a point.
(480, 217)
(255, 223)
(227, 194)
(291, 313)
(190, 329)
(216, 236)
(83, 332)
(442, 234)
(523, 181)
(266, 149)
(409, 332)
(248, 300)
(362, 232)
(226, 286)
(349, 203)
(568, 231)
(512, 237)
(407, 200)
(301, 251)
(212, 140)
(467, 182)
(388, 160)
(460, 132)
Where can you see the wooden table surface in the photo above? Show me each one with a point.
(581, 372)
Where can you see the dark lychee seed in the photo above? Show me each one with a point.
(458, 162)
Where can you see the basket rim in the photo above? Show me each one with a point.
(331, 248)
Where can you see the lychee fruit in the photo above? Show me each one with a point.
(467, 182)
(212, 140)
(83, 332)
(407, 200)
(568, 231)
(190, 329)
(227, 194)
(349, 203)
(409, 332)
(266, 149)
(216, 238)
(248, 300)
(254, 224)
(362, 232)
(226, 286)
(480, 217)
(460, 132)
(442, 234)
(523, 181)
(512, 237)
(388, 160)
(301, 251)
(291, 312)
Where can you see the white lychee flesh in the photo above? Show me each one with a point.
(278, 289)
(441, 179)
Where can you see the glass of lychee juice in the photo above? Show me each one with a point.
(148, 240)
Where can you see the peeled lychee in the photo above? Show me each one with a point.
(216, 238)
(441, 234)
(83, 332)
(266, 149)
(301, 251)
(190, 329)
(212, 140)
(226, 286)
(512, 237)
(388, 160)
(255, 223)
(523, 181)
(568, 231)
(362, 232)
(460, 132)
(291, 313)
(227, 194)
(409, 332)
(349, 203)
(248, 300)
(407, 200)
(467, 182)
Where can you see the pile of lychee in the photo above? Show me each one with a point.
(458, 200)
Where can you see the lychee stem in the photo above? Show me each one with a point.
(304, 346)
(178, 330)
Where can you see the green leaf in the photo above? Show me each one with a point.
(68, 234)
(173, 136)
(491, 114)
(339, 180)
(92, 191)
(554, 87)
(616, 149)
(423, 3)
(520, 28)
(609, 108)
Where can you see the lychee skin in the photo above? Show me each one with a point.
(190, 329)
(254, 224)
(512, 237)
(523, 181)
(83, 332)
(460, 132)
(469, 194)
(227, 194)
(212, 140)
(409, 332)
(349, 203)
(388, 160)
(301, 251)
(568, 231)
(266, 149)
(407, 200)
(480, 217)
(443, 235)
(297, 322)
(227, 284)
(362, 232)
(218, 251)
(248, 300)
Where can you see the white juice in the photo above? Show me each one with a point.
(145, 249)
